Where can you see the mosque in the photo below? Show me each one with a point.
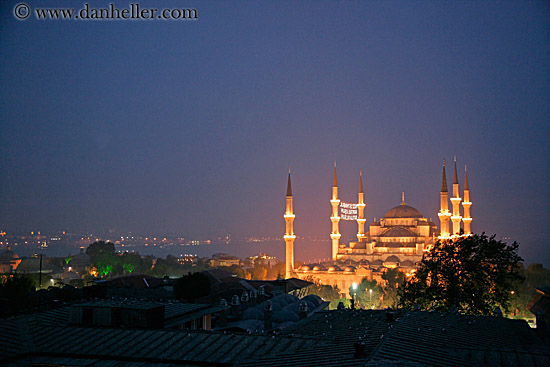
(397, 240)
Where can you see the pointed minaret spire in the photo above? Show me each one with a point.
(444, 215)
(360, 182)
(456, 218)
(466, 178)
(403, 198)
(334, 181)
(288, 186)
(455, 178)
(444, 180)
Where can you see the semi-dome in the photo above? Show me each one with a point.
(403, 211)
(392, 259)
(407, 263)
(398, 232)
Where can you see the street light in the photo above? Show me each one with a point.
(354, 295)
(370, 298)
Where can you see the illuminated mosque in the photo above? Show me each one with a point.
(397, 240)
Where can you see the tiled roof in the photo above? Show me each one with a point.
(439, 339)
(133, 281)
(326, 338)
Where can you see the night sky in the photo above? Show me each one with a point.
(189, 127)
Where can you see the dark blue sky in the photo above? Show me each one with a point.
(190, 126)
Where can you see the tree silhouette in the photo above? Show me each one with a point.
(475, 274)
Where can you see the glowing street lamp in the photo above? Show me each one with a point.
(370, 298)
(354, 295)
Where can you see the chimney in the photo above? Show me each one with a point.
(302, 310)
(359, 349)
(235, 306)
(244, 300)
(223, 314)
(261, 294)
(268, 316)
(542, 326)
(253, 297)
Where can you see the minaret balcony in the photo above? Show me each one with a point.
(361, 205)
(444, 215)
(335, 219)
(335, 201)
(288, 216)
(456, 218)
(335, 236)
(466, 203)
(456, 199)
(289, 237)
(361, 220)
(466, 219)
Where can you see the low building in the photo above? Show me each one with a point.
(221, 259)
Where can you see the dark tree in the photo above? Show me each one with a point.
(367, 293)
(475, 274)
(104, 258)
(192, 286)
(326, 292)
(100, 247)
(394, 279)
(15, 294)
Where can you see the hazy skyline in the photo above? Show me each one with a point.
(190, 126)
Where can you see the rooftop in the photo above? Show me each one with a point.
(327, 338)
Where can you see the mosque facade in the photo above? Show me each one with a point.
(397, 240)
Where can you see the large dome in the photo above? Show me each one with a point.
(403, 211)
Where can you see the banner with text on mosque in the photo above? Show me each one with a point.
(348, 211)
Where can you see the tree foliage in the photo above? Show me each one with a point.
(475, 274)
(100, 247)
(394, 279)
(15, 293)
(536, 276)
(326, 292)
(367, 294)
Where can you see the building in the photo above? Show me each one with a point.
(396, 240)
(326, 338)
(221, 259)
(9, 261)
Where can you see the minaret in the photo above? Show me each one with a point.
(444, 214)
(466, 204)
(289, 234)
(361, 211)
(335, 219)
(455, 200)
